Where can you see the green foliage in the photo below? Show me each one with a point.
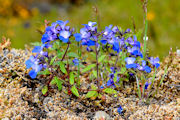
(57, 82)
(52, 60)
(94, 73)
(101, 58)
(72, 54)
(74, 91)
(91, 94)
(139, 90)
(71, 78)
(62, 67)
(110, 91)
(44, 90)
(45, 72)
(89, 67)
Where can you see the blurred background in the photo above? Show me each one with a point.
(20, 20)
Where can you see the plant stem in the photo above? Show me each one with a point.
(97, 65)
(65, 52)
(139, 90)
(152, 82)
(79, 54)
(146, 27)
(165, 73)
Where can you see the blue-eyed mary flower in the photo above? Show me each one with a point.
(33, 62)
(144, 67)
(130, 62)
(76, 61)
(77, 37)
(120, 110)
(154, 61)
(64, 35)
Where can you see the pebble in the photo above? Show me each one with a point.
(5, 118)
(101, 115)
(178, 52)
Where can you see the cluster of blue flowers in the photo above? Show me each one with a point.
(90, 36)
(57, 31)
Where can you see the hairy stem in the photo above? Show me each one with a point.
(97, 65)
(79, 54)
(65, 52)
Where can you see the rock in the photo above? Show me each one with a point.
(101, 115)
(178, 52)
(5, 118)
(47, 103)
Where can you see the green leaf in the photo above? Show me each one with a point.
(93, 87)
(94, 73)
(71, 79)
(72, 54)
(59, 53)
(91, 94)
(138, 86)
(75, 91)
(45, 72)
(52, 60)
(56, 45)
(53, 82)
(93, 55)
(123, 70)
(62, 67)
(100, 59)
(44, 90)
(109, 91)
(115, 77)
(89, 67)
(59, 83)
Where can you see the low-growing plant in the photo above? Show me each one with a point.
(109, 57)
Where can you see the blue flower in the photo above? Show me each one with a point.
(64, 36)
(147, 69)
(154, 61)
(135, 51)
(130, 62)
(110, 82)
(62, 24)
(77, 37)
(76, 62)
(91, 26)
(39, 49)
(144, 67)
(116, 47)
(127, 31)
(113, 69)
(107, 30)
(85, 33)
(115, 29)
(33, 74)
(146, 85)
(33, 63)
(101, 87)
(103, 41)
(120, 110)
(91, 43)
(48, 36)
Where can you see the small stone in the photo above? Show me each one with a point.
(101, 115)
(5, 118)
(178, 52)
(178, 101)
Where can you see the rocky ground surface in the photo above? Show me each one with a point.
(21, 98)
